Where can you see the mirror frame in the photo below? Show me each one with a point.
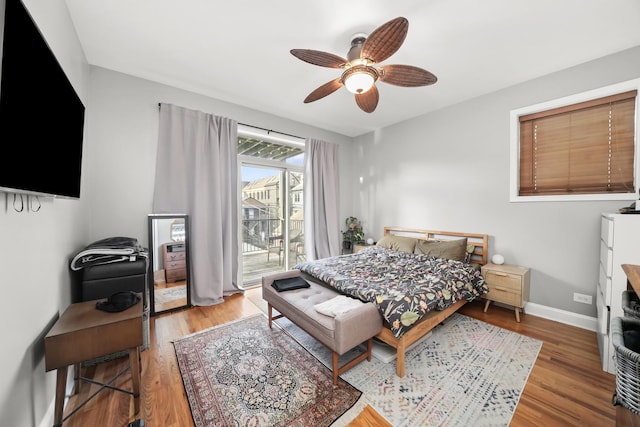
(153, 249)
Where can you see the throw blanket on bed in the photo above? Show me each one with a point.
(106, 251)
(403, 286)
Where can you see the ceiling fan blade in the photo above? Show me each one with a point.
(368, 101)
(320, 58)
(385, 40)
(324, 90)
(407, 76)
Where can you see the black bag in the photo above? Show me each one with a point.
(119, 301)
(281, 285)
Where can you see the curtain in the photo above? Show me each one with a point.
(196, 174)
(321, 193)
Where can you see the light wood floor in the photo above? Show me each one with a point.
(567, 386)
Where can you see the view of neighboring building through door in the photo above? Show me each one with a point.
(272, 210)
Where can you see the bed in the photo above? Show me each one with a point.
(417, 278)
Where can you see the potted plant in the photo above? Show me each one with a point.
(353, 234)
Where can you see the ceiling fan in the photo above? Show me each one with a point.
(362, 69)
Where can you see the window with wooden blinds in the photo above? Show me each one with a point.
(583, 148)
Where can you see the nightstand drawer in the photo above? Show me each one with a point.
(505, 281)
(505, 295)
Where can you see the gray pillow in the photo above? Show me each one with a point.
(450, 249)
(398, 243)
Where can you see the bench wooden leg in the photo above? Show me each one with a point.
(337, 370)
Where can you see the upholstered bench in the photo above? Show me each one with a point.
(340, 333)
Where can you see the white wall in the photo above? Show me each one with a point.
(449, 170)
(123, 131)
(117, 189)
(35, 251)
(446, 170)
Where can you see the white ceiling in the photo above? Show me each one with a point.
(238, 50)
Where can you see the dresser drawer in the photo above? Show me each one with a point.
(175, 274)
(175, 256)
(602, 310)
(606, 258)
(172, 265)
(604, 284)
(606, 231)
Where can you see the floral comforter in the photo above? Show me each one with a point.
(403, 286)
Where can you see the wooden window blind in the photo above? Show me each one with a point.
(584, 148)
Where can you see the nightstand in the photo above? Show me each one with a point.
(357, 247)
(508, 284)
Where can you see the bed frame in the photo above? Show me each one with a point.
(435, 317)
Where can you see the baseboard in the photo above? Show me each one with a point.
(47, 419)
(562, 316)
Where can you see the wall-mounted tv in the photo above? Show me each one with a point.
(41, 115)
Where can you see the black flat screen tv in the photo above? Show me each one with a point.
(41, 115)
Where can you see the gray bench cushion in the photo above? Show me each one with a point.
(340, 333)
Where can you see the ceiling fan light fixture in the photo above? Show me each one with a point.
(359, 79)
(360, 70)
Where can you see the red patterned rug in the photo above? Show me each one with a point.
(244, 374)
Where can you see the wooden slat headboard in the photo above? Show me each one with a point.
(479, 241)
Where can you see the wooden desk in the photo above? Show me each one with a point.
(624, 417)
(85, 333)
(633, 276)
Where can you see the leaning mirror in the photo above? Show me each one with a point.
(169, 259)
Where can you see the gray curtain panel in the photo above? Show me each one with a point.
(321, 193)
(197, 174)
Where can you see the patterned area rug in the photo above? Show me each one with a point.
(166, 295)
(467, 372)
(244, 374)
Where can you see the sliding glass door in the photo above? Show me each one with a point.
(272, 211)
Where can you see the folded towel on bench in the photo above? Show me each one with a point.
(337, 305)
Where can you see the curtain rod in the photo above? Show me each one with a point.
(265, 129)
(270, 130)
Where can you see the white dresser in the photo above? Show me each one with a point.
(619, 244)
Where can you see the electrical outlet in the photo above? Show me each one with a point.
(585, 299)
